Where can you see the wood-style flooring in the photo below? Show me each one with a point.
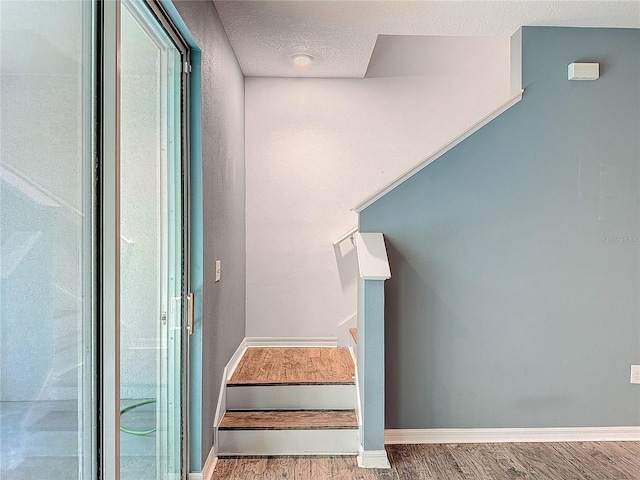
(302, 366)
(498, 461)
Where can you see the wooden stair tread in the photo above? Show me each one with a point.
(354, 334)
(294, 366)
(289, 420)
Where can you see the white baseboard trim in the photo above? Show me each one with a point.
(235, 360)
(373, 459)
(209, 466)
(207, 469)
(504, 435)
(291, 341)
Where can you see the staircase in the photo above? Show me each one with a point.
(290, 401)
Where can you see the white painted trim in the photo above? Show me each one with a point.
(209, 465)
(353, 356)
(441, 151)
(504, 435)
(358, 404)
(291, 341)
(221, 408)
(207, 469)
(373, 263)
(373, 459)
(355, 315)
(235, 360)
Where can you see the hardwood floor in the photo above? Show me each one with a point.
(498, 461)
(296, 468)
(302, 366)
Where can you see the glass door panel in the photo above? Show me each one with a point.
(47, 314)
(151, 249)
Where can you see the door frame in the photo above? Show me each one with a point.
(108, 231)
(108, 139)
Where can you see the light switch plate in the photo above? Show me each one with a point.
(635, 373)
(217, 270)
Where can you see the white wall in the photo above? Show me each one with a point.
(314, 149)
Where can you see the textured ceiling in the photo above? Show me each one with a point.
(341, 34)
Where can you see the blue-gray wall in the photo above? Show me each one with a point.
(515, 292)
(223, 206)
(370, 354)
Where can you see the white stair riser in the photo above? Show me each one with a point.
(287, 442)
(291, 397)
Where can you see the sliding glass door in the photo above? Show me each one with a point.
(151, 278)
(47, 245)
(92, 281)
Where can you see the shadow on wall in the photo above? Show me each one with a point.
(348, 274)
(347, 262)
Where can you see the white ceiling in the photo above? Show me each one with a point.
(341, 34)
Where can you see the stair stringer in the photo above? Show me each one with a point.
(221, 408)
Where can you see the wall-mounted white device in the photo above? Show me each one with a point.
(635, 373)
(218, 270)
(584, 71)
